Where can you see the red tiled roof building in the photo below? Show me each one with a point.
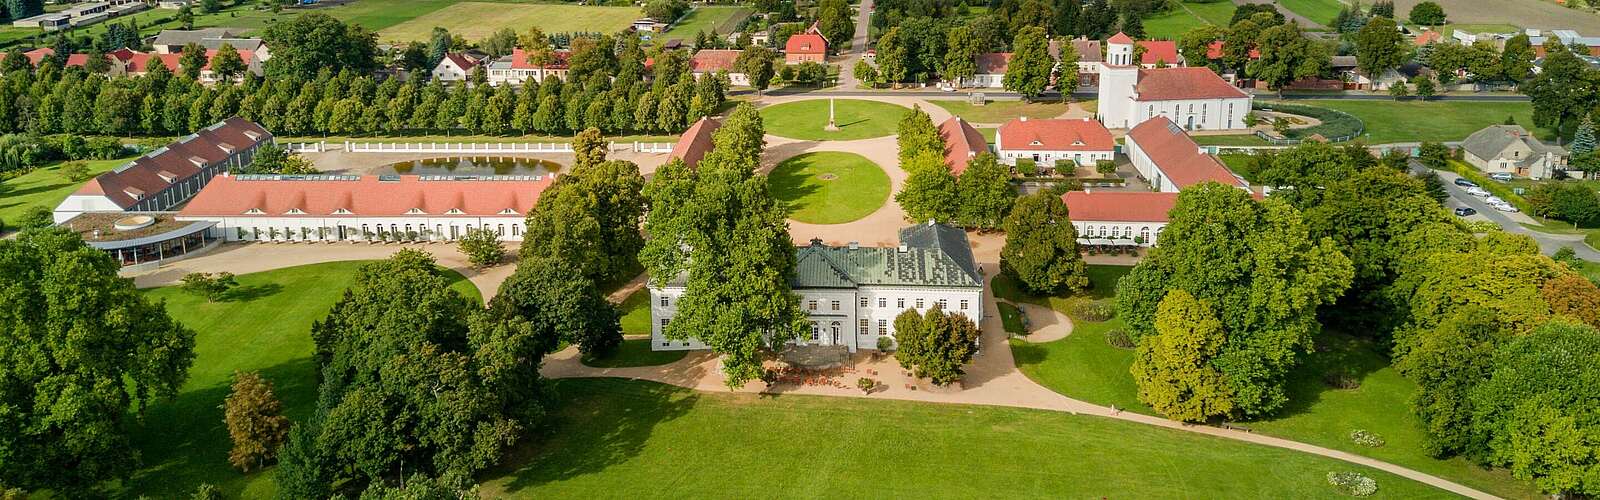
(805, 47)
(1046, 141)
(1195, 98)
(693, 145)
(1170, 161)
(168, 177)
(962, 143)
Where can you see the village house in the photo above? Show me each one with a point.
(1089, 59)
(1195, 98)
(851, 294)
(515, 68)
(962, 143)
(455, 67)
(809, 46)
(1046, 141)
(711, 61)
(1511, 149)
(1170, 160)
(173, 42)
(990, 72)
(695, 142)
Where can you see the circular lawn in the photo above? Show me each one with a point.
(856, 119)
(829, 187)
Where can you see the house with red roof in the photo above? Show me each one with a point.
(962, 143)
(1119, 217)
(168, 177)
(695, 142)
(1193, 97)
(1081, 141)
(517, 68)
(990, 70)
(711, 61)
(1167, 158)
(805, 47)
(1089, 58)
(364, 208)
(455, 67)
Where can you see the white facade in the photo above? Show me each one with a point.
(1143, 234)
(1147, 169)
(854, 318)
(984, 81)
(1122, 106)
(354, 228)
(1196, 114)
(450, 71)
(1118, 78)
(1047, 159)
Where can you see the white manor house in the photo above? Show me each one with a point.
(853, 293)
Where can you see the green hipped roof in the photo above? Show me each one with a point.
(930, 255)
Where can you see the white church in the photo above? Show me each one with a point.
(1194, 98)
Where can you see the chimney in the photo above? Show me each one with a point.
(1022, 118)
(855, 245)
(816, 242)
(904, 248)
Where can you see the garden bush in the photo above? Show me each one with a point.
(1027, 167)
(1353, 483)
(1335, 124)
(1366, 438)
(1119, 339)
(1094, 311)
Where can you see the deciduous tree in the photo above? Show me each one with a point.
(929, 193)
(1041, 250)
(983, 193)
(1028, 72)
(1173, 367)
(935, 345)
(560, 305)
(255, 421)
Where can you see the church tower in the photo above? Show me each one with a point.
(1118, 77)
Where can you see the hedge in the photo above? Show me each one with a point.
(1336, 126)
(1499, 189)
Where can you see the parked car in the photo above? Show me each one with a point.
(1465, 211)
(1504, 207)
(1494, 200)
(1501, 176)
(1477, 191)
(1465, 183)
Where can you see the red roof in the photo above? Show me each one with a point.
(1428, 37)
(1120, 37)
(714, 60)
(140, 62)
(1178, 156)
(1167, 84)
(367, 197)
(993, 63)
(1156, 51)
(806, 43)
(1088, 50)
(1054, 135)
(175, 163)
(961, 142)
(695, 142)
(1214, 51)
(460, 60)
(1119, 206)
(519, 59)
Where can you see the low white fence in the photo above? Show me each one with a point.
(304, 147)
(653, 147)
(458, 147)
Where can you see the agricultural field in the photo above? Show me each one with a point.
(477, 20)
(1542, 14)
(1185, 16)
(1320, 11)
(719, 18)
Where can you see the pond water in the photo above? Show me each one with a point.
(478, 165)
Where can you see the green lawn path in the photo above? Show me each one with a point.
(856, 118)
(265, 326)
(1085, 367)
(829, 187)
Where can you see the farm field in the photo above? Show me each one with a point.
(720, 18)
(265, 325)
(477, 20)
(1321, 11)
(1086, 366)
(1183, 17)
(1542, 14)
(371, 14)
(43, 187)
(612, 432)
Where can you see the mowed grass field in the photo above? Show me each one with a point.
(265, 325)
(246, 19)
(1543, 14)
(1321, 11)
(720, 18)
(477, 20)
(856, 118)
(43, 187)
(1185, 16)
(638, 439)
(1413, 120)
(1085, 366)
(998, 112)
(829, 187)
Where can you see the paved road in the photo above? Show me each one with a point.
(1548, 243)
(858, 46)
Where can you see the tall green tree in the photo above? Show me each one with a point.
(227, 64)
(1287, 55)
(984, 193)
(255, 421)
(719, 227)
(561, 305)
(83, 348)
(591, 216)
(917, 134)
(961, 54)
(1028, 72)
(1173, 367)
(935, 345)
(893, 57)
(1565, 90)
(302, 45)
(1537, 412)
(1255, 263)
(929, 193)
(1380, 47)
(1041, 250)
(758, 65)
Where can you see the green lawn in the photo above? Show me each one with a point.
(264, 325)
(1011, 317)
(43, 187)
(1321, 11)
(720, 18)
(635, 352)
(477, 20)
(614, 434)
(1171, 25)
(998, 112)
(636, 313)
(1415, 121)
(1230, 140)
(423, 136)
(829, 187)
(1084, 366)
(856, 118)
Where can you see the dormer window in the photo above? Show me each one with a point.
(135, 193)
(254, 211)
(296, 211)
(508, 212)
(1035, 143)
(226, 148)
(415, 211)
(167, 176)
(197, 161)
(341, 211)
(252, 135)
(454, 211)
(1077, 143)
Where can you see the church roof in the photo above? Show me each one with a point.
(1174, 84)
(1121, 38)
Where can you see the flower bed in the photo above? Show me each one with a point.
(1353, 483)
